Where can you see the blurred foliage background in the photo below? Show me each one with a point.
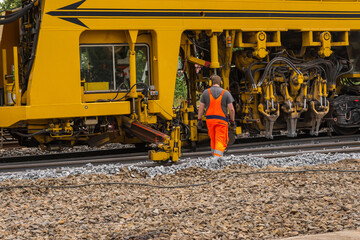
(180, 86)
(9, 4)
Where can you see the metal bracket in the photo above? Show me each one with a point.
(258, 42)
(324, 41)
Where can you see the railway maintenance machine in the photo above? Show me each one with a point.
(91, 72)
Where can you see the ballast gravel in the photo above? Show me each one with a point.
(308, 159)
(35, 151)
(198, 199)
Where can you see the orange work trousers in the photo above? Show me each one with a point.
(218, 133)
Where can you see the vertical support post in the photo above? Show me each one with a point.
(4, 74)
(185, 112)
(228, 58)
(16, 77)
(82, 90)
(2, 138)
(131, 38)
(214, 51)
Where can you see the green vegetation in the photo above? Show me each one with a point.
(180, 91)
(9, 4)
(180, 86)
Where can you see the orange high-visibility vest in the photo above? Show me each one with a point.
(214, 110)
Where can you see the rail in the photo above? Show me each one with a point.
(273, 149)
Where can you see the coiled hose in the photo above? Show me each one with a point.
(16, 15)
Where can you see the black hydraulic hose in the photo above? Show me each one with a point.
(17, 14)
(249, 72)
(118, 90)
(33, 51)
(269, 65)
(328, 69)
(195, 44)
(187, 132)
(127, 93)
(9, 15)
(30, 134)
(187, 86)
(136, 84)
(350, 70)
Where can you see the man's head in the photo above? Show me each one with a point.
(215, 79)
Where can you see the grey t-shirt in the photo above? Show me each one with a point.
(216, 92)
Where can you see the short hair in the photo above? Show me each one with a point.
(216, 79)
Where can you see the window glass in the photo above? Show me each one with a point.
(97, 68)
(122, 66)
(107, 67)
(142, 67)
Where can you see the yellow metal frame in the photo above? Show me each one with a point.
(259, 42)
(54, 89)
(325, 41)
(57, 58)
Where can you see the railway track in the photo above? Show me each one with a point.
(271, 149)
(9, 144)
(7, 141)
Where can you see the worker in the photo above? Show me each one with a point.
(217, 101)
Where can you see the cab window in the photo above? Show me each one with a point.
(106, 67)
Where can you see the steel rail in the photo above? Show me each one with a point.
(257, 149)
(326, 145)
(242, 143)
(292, 141)
(10, 144)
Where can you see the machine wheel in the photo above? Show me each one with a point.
(345, 131)
(193, 146)
(140, 146)
(28, 142)
(231, 138)
(165, 162)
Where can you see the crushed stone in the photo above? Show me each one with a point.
(308, 159)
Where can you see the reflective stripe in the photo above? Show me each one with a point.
(218, 152)
(217, 117)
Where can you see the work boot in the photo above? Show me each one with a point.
(220, 161)
(215, 158)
